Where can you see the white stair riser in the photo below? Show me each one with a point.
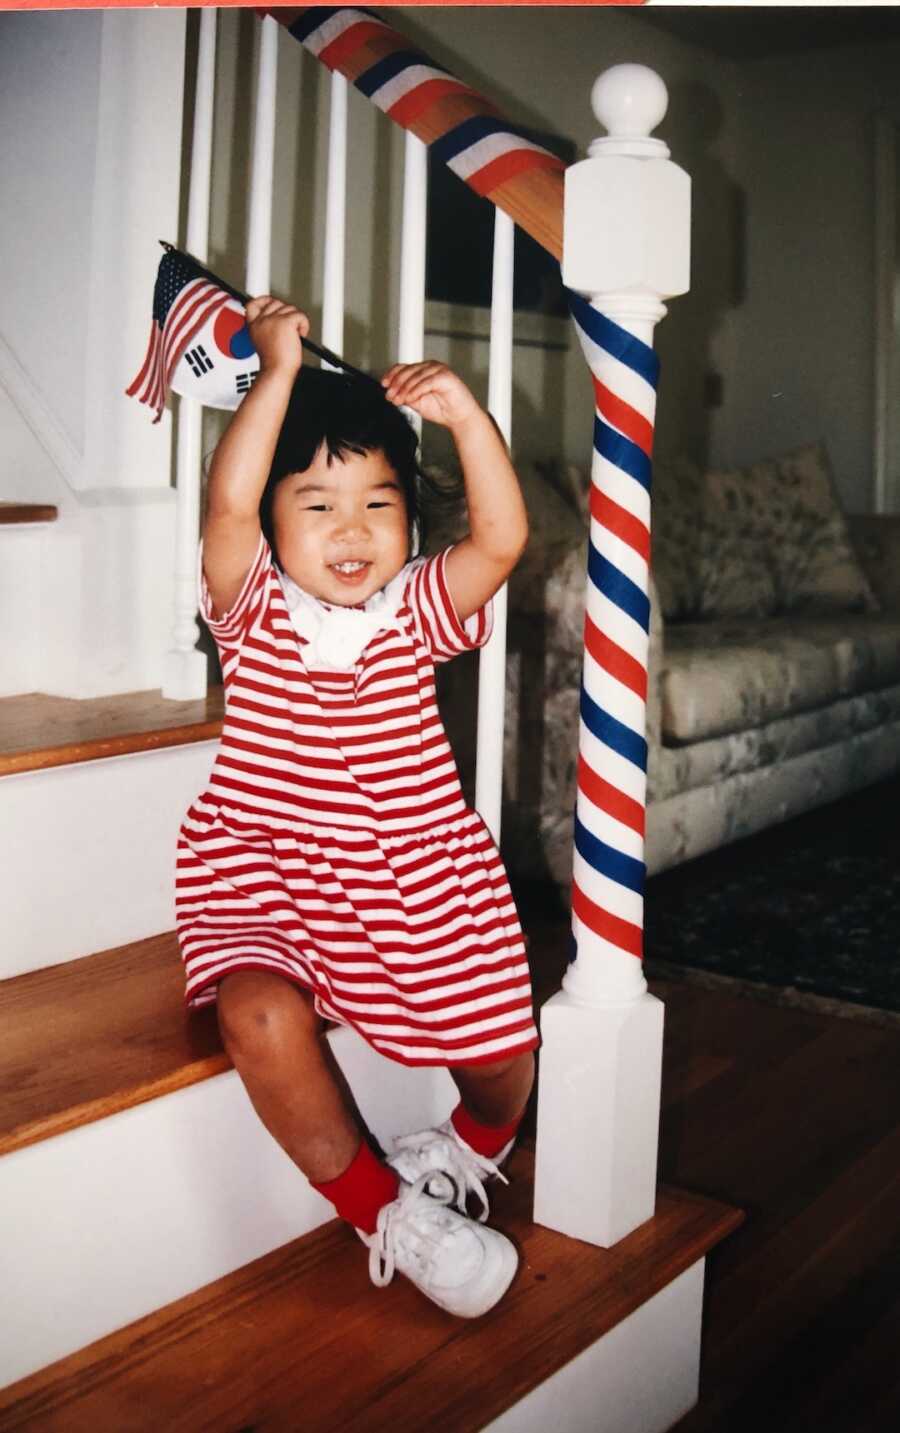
(21, 555)
(641, 1377)
(114, 1220)
(90, 859)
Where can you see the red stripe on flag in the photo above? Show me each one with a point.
(345, 46)
(152, 347)
(613, 659)
(407, 110)
(610, 799)
(620, 933)
(621, 414)
(507, 166)
(620, 522)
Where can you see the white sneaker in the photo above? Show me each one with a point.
(460, 1265)
(442, 1151)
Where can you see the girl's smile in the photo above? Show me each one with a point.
(341, 526)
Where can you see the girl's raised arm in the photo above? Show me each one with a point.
(244, 453)
(498, 522)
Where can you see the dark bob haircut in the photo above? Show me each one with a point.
(344, 414)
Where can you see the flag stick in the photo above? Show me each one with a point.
(333, 358)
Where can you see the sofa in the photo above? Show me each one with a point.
(774, 673)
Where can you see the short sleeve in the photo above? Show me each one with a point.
(230, 629)
(435, 615)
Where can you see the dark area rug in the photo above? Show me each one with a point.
(807, 913)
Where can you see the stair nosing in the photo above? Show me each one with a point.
(85, 1112)
(101, 748)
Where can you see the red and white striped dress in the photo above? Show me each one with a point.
(333, 845)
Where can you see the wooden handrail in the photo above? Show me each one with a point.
(521, 178)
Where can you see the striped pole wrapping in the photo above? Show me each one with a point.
(609, 870)
(461, 127)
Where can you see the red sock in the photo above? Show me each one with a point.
(484, 1139)
(365, 1185)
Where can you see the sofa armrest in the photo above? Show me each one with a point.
(876, 541)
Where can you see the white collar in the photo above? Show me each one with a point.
(336, 637)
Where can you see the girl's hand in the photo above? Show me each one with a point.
(276, 330)
(432, 390)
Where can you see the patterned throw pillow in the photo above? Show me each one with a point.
(737, 577)
(675, 538)
(815, 566)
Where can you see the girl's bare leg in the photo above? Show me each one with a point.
(497, 1093)
(275, 1039)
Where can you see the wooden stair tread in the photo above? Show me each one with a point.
(27, 512)
(89, 1037)
(300, 1337)
(93, 1036)
(39, 731)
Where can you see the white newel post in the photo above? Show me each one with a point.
(184, 667)
(626, 247)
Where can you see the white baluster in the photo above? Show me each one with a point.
(411, 334)
(335, 220)
(492, 660)
(626, 245)
(184, 669)
(259, 236)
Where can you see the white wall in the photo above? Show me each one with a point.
(49, 65)
(90, 118)
(803, 346)
(90, 139)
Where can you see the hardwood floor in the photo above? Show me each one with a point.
(796, 1118)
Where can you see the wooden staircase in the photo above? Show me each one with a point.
(163, 1263)
(301, 1338)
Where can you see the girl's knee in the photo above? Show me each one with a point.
(497, 1069)
(261, 1013)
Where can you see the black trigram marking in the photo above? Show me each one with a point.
(199, 360)
(244, 382)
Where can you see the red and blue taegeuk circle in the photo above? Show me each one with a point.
(231, 335)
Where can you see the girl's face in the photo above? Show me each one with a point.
(341, 526)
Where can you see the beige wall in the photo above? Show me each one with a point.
(804, 332)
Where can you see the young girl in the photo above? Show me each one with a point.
(332, 870)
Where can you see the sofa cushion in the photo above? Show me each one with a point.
(721, 677)
(675, 769)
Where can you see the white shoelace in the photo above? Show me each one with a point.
(415, 1224)
(441, 1152)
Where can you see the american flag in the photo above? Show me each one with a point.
(184, 297)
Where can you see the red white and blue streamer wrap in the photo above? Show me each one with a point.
(608, 866)
(462, 128)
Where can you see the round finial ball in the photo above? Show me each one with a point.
(629, 101)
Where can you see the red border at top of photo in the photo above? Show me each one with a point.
(250, 4)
